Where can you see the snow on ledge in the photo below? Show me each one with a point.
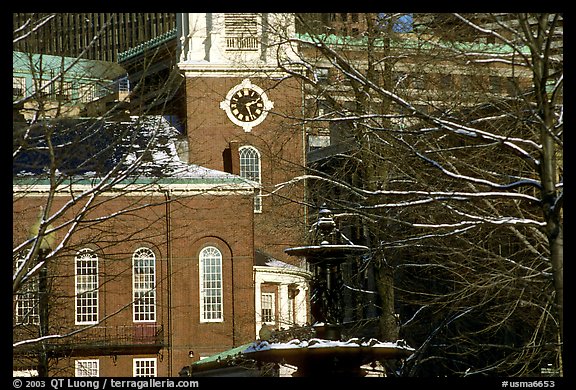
(322, 343)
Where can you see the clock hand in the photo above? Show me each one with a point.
(249, 112)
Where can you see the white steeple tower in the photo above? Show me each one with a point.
(234, 44)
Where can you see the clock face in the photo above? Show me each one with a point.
(246, 105)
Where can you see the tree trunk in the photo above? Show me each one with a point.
(388, 323)
(557, 261)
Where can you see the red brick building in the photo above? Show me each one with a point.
(170, 272)
(192, 262)
(229, 60)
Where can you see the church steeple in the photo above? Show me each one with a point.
(233, 42)
(242, 110)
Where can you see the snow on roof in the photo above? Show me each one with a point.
(308, 354)
(277, 263)
(90, 148)
(163, 152)
(267, 260)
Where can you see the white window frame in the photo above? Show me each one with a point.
(19, 82)
(144, 285)
(46, 88)
(86, 92)
(86, 288)
(251, 169)
(66, 91)
(27, 300)
(210, 280)
(322, 74)
(144, 367)
(87, 368)
(268, 304)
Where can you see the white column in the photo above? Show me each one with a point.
(258, 304)
(301, 315)
(215, 50)
(182, 32)
(283, 306)
(197, 37)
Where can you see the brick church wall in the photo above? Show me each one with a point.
(279, 139)
(224, 221)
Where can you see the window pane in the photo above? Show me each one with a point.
(27, 299)
(250, 169)
(87, 368)
(267, 301)
(86, 287)
(18, 87)
(144, 285)
(211, 284)
(145, 367)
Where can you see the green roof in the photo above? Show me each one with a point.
(139, 49)
(223, 355)
(408, 41)
(50, 65)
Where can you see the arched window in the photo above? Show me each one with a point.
(86, 281)
(250, 169)
(211, 285)
(144, 285)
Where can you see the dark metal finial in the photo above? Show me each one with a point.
(325, 225)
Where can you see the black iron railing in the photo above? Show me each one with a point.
(133, 334)
(99, 339)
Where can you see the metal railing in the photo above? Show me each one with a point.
(134, 334)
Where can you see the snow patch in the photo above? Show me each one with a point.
(322, 343)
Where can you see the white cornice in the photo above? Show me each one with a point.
(283, 271)
(204, 69)
(137, 189)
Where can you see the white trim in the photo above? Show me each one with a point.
(201, 285)
(96, 367)
(210, 69)
(272, 301)
(258, 200)
(283, 277)
(283, 271)
(142, 189)
(25, 373)
(246, 84)
(151, 291)
(153, 367)
(93, 282)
